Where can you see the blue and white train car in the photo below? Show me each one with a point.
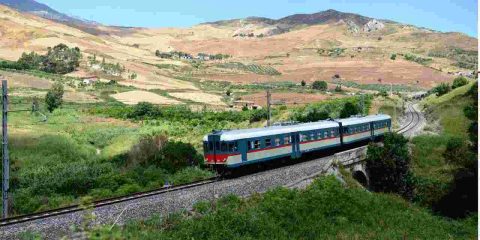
(234, 148)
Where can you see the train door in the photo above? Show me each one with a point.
(215, 140)
(372, 132)
(295, 141)
(242, 147)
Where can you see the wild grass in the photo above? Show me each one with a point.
(326, 210)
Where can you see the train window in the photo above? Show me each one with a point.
(277, 141)
(286, 140)
(268, 142)
(312, 136)
(325, 135)
(205, 146)
(224, 147)
(232, 147)
(249, 145)
(332, 132)
(256, 144)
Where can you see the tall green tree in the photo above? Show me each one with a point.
(54, 98)
(61, 59)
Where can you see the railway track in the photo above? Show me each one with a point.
(413, 120)
(100, 203)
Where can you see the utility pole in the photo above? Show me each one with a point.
(269, 96)
(6, 161)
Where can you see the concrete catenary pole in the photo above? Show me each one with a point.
(6, 161)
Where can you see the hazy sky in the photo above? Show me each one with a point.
(443, 15)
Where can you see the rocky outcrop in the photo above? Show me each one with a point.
(373, 25)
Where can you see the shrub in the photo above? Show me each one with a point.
(459, 81)
(177, 155)
(338, 88)
(54, 98)
(303, 83)
(319, 85)
(349, 109)
(456, 151)
(144, 110)
(441, 89)
(389, 166)
(393, 56)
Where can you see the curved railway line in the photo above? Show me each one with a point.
(413, 119)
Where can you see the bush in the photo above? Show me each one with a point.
(349, 109)
(319, 85)
(393, 56)
(441, 89)
(144, 110)
(338, 88)
(456, 151)
(459, 81)
(389, 166)
(177, 155)
(54, 98)
(303, 83)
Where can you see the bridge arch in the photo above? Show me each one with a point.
(361, 177)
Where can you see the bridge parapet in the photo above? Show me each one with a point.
(352, 156)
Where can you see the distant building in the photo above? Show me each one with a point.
(89, 80)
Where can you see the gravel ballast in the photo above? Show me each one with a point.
(57, 226)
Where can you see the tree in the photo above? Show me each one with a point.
(30, 60)
(61, 59)
(54, 98)
(349, 109)
(459, 81)
(320, 85)
(303, 83)
(388, 166)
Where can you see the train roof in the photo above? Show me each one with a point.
(231, 135)
(359, 120)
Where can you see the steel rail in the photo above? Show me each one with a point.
(100, 203)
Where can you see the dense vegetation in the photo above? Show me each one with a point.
(320, 85)
(444, 165)
(463, 58)
(60, 59)
(337, 108)
(326, 210)
(417, 59)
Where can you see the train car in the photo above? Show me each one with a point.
(235, 148)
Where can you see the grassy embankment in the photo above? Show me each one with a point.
(444, 115)
(326, 210)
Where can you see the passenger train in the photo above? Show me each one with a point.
(230, 149)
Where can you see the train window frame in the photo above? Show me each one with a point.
(256, 144)
(268, 142)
